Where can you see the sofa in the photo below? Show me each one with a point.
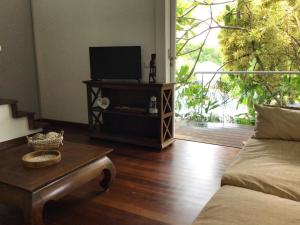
(262, 185)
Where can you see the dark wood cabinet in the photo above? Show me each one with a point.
(127, 118)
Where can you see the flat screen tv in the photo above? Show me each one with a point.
(123, 62)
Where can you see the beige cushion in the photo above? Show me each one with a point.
(269, 166)
(240, 206)
(277, 123)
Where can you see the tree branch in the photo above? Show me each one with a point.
(216, 3)
(189, 39)
(268, 90)
(229, 27)
(188, 30)
(200, 50)
(295, 39)
(188, 11)
(215, 27)
(189, 52)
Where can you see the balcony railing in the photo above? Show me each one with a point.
(230, 96)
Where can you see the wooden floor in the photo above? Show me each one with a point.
(232, 135)
(151, 188)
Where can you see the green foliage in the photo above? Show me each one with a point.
(246, 119)
(189, 92)
(268, 40)
(207, 54)
(187, 27)
(181, 75)
(259, 35)
(200, 106)
(229, 15)
(265, 40)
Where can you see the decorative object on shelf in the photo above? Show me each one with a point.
(103, 103)
(51, 140)
(152, 74)
(39, 159)
(153, 105)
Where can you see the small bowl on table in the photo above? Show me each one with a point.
(43, 158)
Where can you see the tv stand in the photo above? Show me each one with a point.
(127, 119)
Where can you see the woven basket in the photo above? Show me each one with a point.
(47, 143)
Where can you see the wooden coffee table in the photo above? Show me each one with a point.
(30, 189)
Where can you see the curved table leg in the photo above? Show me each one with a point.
(32, 204)
(33, 214)
(108, 174)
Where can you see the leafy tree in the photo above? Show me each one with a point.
(190, 92)
(266, 38)
(259, 35)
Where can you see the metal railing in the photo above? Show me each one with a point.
(229, 96)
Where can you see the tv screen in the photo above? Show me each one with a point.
(115, 62)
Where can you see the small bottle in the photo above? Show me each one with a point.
(153, 105)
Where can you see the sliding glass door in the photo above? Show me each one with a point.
(232, 54)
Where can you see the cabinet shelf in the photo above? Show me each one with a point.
(127, 138)
(139, 128)
(124, 113)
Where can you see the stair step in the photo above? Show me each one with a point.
(7, 101)
(32, 123)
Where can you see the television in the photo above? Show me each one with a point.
(122, 62)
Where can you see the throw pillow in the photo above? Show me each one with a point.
(277, 123)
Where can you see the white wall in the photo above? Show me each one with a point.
(163, 28)
(172, 34)
(64, 29)
(18, 77)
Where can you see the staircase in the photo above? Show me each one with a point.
(15, 123)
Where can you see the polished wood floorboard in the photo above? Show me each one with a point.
(151, 187)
